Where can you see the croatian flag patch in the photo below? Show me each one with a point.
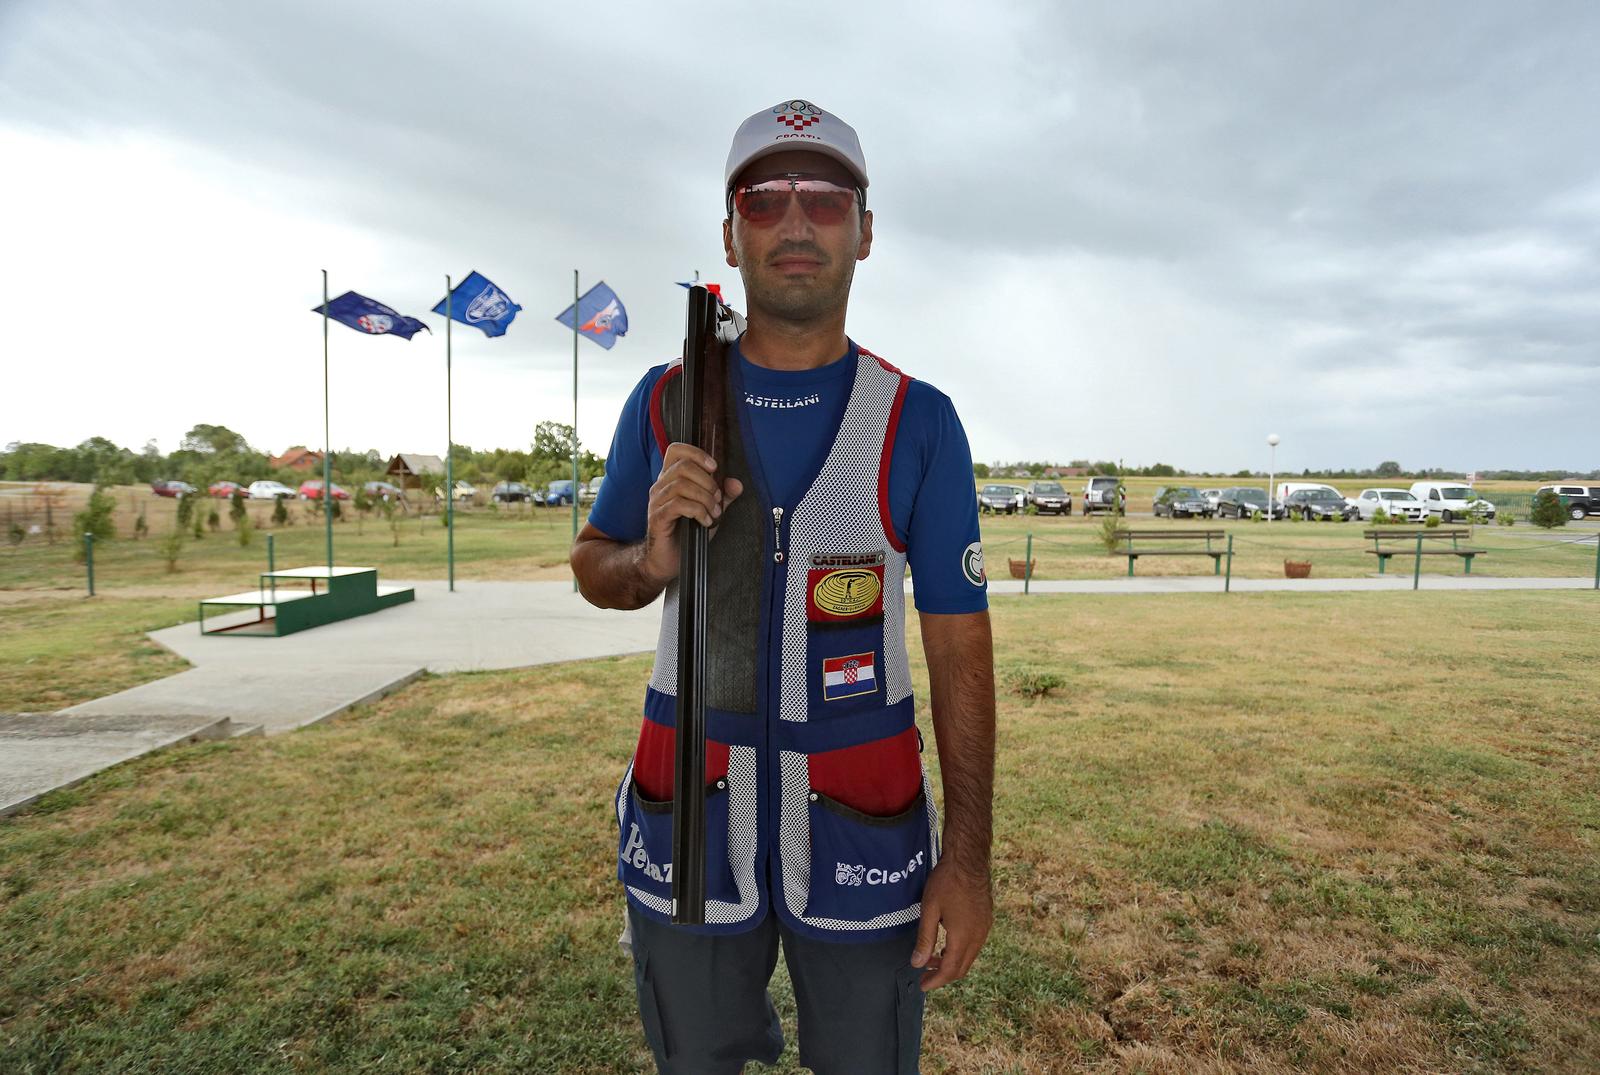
(844, 677)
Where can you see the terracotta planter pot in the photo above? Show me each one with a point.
(1020, 569)
(1297, 569)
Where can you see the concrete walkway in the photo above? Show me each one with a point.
(251, 685)
(1208, 584)
(261, 685)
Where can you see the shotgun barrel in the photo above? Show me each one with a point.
(704, 397)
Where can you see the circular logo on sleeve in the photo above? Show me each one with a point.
(972, 564)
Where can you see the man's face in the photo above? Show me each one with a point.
(796, 269)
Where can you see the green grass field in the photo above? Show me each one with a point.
(1273, 833)
(57, 649)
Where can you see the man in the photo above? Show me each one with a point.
(840, 472)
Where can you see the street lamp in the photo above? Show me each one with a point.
(1272, 473)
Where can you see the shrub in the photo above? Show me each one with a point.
(213, 519)
(185, 510)
(1381, 518)
(95, 519)
(1548, 511)
(236, 509)
(171, 548)
(141, 525)
(1431, 522)
(1109, 525)
(1505, 518)
(387, 507)
(15, 533)
(246, 531)
(1034, 682)
(1256, 516)
(280, 512)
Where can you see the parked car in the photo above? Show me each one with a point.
(588, 491)
(511, 492)
(312, 490)
(1001, 499)
(1451, 501)
(171, 488)
(464, 491)
(1288, 489)
(1580, 501)
(1397, 504)
(383, 491)
(1243, 501)
(269, 490)
(224, 490)
(1211, 496)
(1174, 501)
(1100, 494)
(558, 492)
(1051, 498)
(1319, 503)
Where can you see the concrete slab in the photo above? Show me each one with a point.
(279, 698)
(1208, 584)
(41, 752)
(482, 626)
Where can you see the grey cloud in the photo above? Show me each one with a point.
(1395, 192)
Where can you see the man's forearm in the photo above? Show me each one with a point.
(612, 574)
(960, 655)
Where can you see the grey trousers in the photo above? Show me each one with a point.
(704, 1003)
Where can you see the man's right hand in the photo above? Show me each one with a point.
(686, 489)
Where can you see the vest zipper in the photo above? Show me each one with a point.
(777, 535)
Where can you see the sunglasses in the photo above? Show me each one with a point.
(764, 203)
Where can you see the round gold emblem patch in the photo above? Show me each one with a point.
(847, 592)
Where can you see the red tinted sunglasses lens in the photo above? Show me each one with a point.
(764, 204)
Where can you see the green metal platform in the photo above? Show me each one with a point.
(282, 607)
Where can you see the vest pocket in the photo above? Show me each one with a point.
(644, 856)
(863, 865)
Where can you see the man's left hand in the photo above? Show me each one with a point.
(965, 907)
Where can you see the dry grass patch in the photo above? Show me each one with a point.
(1216, 851)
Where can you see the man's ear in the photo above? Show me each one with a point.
(727, 244)
(865, 247)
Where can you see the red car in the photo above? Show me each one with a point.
(312, 490)
(170, 488)
(224, 490)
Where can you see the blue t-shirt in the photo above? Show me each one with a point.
(794, 415)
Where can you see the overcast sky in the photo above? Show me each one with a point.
(1154, 231)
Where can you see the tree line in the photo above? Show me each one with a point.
(211, 453)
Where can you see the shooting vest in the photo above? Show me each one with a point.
(816, 799)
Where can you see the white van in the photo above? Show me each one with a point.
(1450, 501)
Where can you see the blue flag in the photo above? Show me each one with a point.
(477, 302)
(370, 316)
(600, 316)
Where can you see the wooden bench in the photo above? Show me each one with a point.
(1413, 537)
(1132, 544)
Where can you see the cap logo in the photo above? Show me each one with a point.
(797, 115)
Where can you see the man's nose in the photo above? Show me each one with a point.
(795, 223)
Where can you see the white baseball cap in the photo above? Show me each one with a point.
(796, 124)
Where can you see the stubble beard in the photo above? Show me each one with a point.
(802, 301)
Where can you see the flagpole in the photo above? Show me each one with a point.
(574, 417)
(327, 444)
(449, 450)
